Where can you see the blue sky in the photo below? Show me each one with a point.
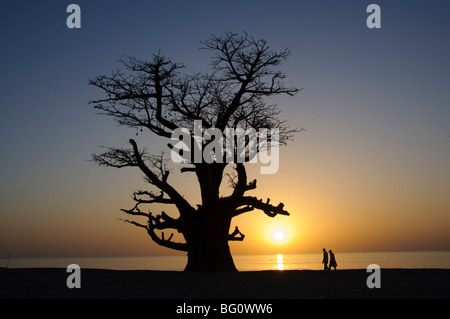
(375, 104)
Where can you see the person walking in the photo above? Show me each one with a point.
(325, 259)
(333, 262)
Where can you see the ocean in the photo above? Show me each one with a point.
(410, 260)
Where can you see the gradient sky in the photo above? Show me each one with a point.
(370, 173)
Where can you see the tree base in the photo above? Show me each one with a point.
(217, 260)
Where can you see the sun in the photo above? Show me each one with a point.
(279, 236)
(279, 233)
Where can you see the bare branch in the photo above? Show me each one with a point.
(166, 242)
(236, 235)
(241, 186)
(242, 210)
(115, 157)
(133, 223)
(188, 169)
(247, 64)
(145, 197)
(135, 211)
(267, 208)
(163, 221)
(137, 99)
(183, 206)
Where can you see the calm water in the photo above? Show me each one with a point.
(439, 259)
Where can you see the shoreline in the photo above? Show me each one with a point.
(50, 283)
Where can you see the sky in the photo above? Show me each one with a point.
(371, 171)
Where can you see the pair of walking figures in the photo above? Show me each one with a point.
(333, 262)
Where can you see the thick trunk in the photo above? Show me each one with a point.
(209, 178)
(210, 256)
(207, 232)
(207, 240)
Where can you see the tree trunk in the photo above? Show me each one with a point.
(207, 232)
(207, 240)
(210, 256)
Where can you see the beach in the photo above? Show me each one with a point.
(50, 283)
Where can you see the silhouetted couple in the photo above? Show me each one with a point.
(333, 262)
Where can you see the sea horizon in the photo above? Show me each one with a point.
(256, 262)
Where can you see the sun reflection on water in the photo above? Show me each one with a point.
(280, 264)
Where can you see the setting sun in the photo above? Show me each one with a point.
(279, 235)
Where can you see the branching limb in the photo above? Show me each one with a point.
(162, 221)
(115, 157)
(166, 242)
(254, 203)
(236, 235)
(135, 211)
(243, 210)
(137, 98)
(183, 206)
(248, 63)
(240, 186)
(145, 197)
(133, 223)
(188, 169)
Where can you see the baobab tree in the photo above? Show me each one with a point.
(154, 95)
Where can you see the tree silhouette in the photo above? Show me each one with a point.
(156, 96)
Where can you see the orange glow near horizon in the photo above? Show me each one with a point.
(319, 217)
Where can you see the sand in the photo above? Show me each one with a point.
(38, 283)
